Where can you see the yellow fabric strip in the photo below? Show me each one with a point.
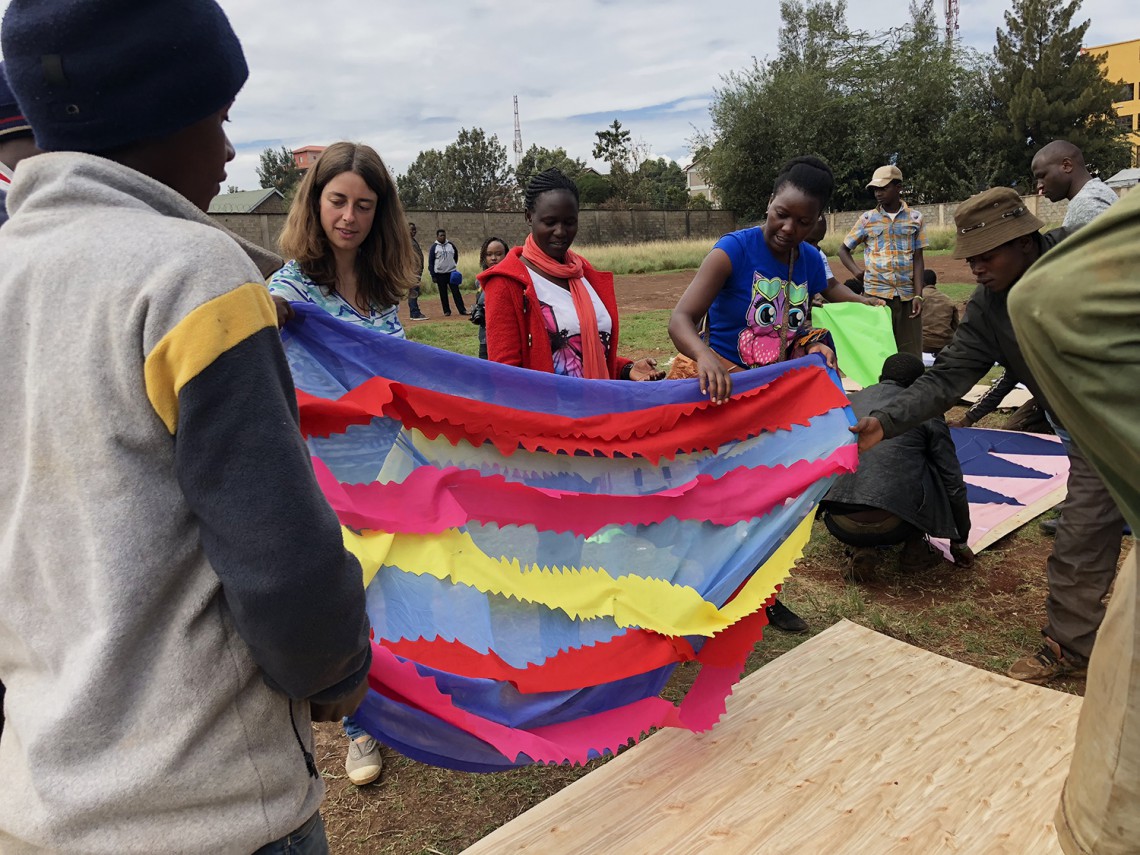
(200, 338)
(584, 593)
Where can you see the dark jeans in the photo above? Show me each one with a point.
(309, 839)
(443, 282)
(414, 301)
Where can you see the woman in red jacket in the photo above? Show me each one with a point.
(548, 308)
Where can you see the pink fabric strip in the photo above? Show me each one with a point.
(433, 500)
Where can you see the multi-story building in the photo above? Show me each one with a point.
(1122, 62)
(306, 156)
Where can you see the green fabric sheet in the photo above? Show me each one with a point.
(863, 338)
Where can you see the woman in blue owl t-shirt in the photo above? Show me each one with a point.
(756, 288)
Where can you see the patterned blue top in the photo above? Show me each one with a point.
(289, 282)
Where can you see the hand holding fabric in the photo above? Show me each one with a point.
(714, 378)
(826, 352)
(338, 709)
(645, 369)
(284, 311)
(870, 432)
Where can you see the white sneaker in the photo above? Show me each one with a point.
(363, 763)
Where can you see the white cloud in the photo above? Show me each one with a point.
(405, 77)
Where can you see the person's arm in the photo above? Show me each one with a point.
(1090, 334)
(856, 236)
(960, 365)
(218, 379)
(694, 304)
(431, 258)
(837, 292)
(919, 273)
(989, 401)
(504, 320)
(455, 250)
(944, 457)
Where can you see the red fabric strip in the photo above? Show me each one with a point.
(791, 399)
(633, 652)
(432, 500)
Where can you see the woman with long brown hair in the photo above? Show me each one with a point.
(351, 254)
(348, 243)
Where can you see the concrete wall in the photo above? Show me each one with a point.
(467, 230)
(840, 222)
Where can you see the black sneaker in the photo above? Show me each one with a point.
(419, 317)
(1048, 527)
(784, 619)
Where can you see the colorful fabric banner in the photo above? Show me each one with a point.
(863, 338)
(540, 552)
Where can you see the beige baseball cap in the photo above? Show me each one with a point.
(884, 175)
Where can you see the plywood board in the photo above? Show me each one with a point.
(1018, 396)
(851, 743)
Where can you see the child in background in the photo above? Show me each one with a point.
(491, 253)
(939, 315)
(893, 237)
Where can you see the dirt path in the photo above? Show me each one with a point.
(642, 292)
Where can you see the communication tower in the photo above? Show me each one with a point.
(518, 133)
(951, 21)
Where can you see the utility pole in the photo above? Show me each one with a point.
(518, 135)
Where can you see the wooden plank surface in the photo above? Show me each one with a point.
(850, 743)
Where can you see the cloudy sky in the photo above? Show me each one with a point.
(404, 77)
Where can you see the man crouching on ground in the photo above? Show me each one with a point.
(175, 598)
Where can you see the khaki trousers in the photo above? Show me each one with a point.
(1082, 565)
(1099, 812)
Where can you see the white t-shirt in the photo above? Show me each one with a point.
(561, 320)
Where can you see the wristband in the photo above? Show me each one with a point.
(919, 297)
(626, 370)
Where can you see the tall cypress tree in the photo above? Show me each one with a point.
(1045, 88)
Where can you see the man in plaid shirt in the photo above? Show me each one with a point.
(893, 237)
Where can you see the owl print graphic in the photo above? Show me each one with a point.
(776, 312)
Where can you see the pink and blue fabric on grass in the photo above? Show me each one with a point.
(540, 552)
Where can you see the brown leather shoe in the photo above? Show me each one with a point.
(1048, 663)
(918, 555)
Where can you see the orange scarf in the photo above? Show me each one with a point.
(594, 366)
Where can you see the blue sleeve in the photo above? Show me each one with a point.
(733, 247)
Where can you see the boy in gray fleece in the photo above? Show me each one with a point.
(175, 598)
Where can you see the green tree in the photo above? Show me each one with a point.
(662, 184)
(538, 158)
(278, 170)
(593, 189)
(614, 146)
(470, 174)
(802, 102)
(1046, 88)
(826, 93)
(617, 147)
(932, 122)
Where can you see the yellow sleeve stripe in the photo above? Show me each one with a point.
(584, 593)
(200, 338)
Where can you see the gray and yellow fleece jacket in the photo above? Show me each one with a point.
(173, 585)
